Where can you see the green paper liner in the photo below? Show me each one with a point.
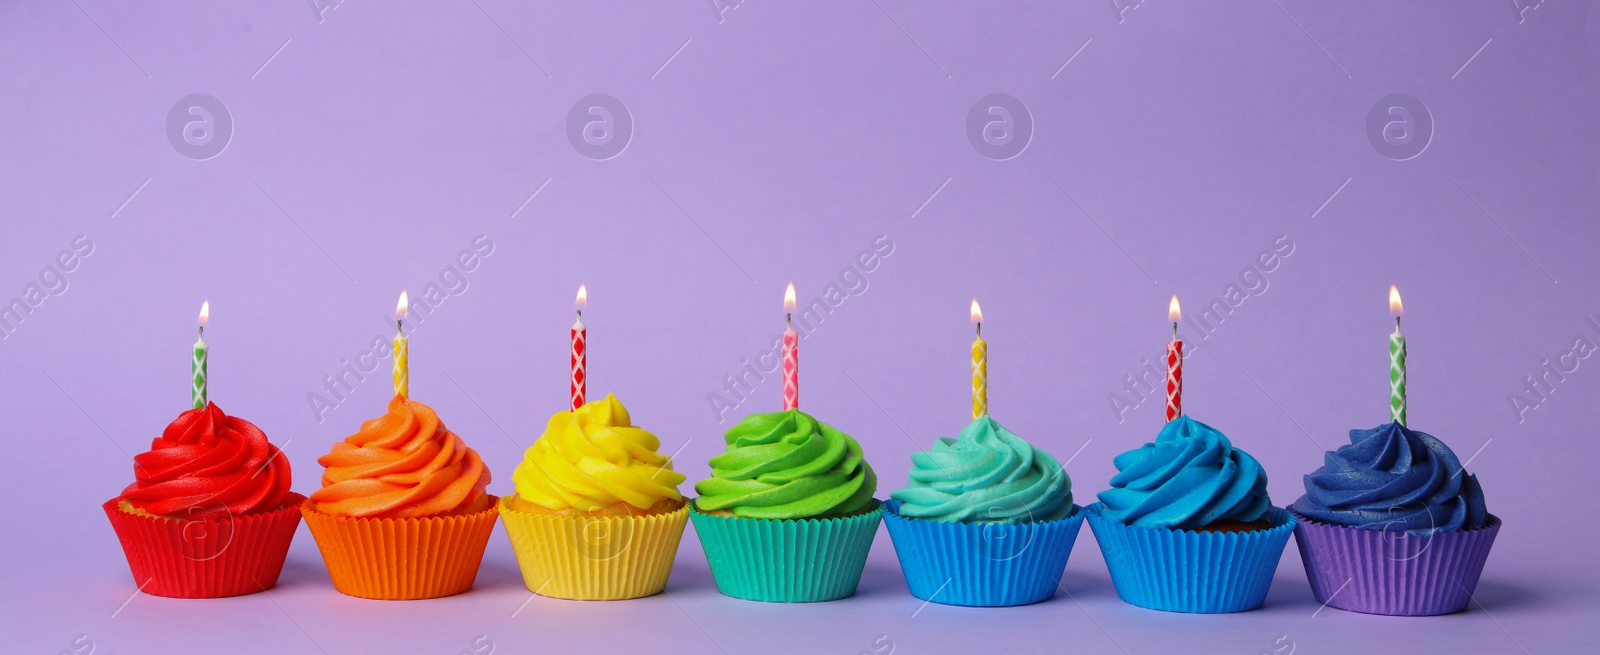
(594, 557)
(787, 560)
(206, 558)
(402, 559)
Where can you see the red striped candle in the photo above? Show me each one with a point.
(580, 352)
(791, 354)
(1174, 364)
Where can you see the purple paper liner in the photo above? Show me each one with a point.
(1393, 573)
(1190, 571)
(982, 564)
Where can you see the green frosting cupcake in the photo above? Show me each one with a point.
(787, 465)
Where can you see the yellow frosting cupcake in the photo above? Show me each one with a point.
(596, 514)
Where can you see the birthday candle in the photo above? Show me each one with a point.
(1174, 363)
(580, 352)
(791, 354)
(980, 367)
(1397, 362)
(197, 366)
(402, 363)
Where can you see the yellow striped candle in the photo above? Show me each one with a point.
(980, 367)
(402, 364)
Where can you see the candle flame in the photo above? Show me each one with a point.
(205, 313)
(583, 296)
(1395, 309)
(977, 312)
(788, 298)
(1174, 313)
(403, 306)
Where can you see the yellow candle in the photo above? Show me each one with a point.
(402, 364)
(980, 367)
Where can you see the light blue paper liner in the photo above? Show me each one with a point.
(982, 564)
(1188, 571)
(787, 560)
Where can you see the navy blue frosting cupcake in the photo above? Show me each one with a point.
(1395, 479)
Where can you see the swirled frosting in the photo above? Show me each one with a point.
(206, 464)
(787, 465)
(594, 457)
(1190, 477)
(403, 464)
(1392, 478)
(987, 474)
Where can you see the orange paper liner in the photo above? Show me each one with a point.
(206, 558)
(404, 558)
(594, 557)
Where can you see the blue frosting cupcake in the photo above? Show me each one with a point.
(986, 520)
(1392, 524)
(1187, 525)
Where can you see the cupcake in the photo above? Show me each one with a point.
(1392, 524)
(986, 520)
(210, 513)
(596, 514)
(1187, 525)
(787, 515)
(402, 513)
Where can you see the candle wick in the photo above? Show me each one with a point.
(980, 329)
(1174, 330)
(202, 331)
(398, 326)
(580, 314)
(788, 320)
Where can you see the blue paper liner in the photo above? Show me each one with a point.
(1393, 573)
(787, 560)
(1188, 571)
(982, 564)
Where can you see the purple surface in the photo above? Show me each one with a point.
(1167, 144)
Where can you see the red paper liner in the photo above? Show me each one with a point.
(405, 558)
(206, 558)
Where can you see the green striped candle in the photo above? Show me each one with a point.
(198, 365)
(1397, 363)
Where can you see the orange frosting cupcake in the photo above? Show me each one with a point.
(403, 464)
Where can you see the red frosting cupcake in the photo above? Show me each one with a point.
(210, 513)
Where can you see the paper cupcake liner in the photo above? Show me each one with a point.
(1188, 571)
(1393, 573)
(594, 557)
(982, 564)
(206, 558)
(405, 558)
(787, 560)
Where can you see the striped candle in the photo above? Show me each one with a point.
(402, 358)
(1174, 364)
(197, 365)
(791, 354)
(1397, 362)
(580, 352)
(980, 366)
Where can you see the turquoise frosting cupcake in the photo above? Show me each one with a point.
(986, 520)
(1187, 525)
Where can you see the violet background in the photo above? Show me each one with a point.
(773, 141)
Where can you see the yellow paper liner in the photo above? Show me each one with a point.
(404, 558)
(594, 557)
